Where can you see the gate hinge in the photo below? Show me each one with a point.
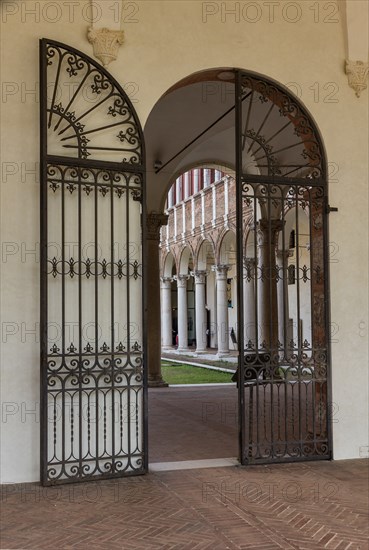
(330, 209)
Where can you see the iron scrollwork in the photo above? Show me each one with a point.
(92, 340)
(283, 374)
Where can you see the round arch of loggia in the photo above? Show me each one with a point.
(272, 143)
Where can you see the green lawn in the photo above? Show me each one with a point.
(174, 373)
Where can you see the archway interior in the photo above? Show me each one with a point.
(193, 124)
(252, 126)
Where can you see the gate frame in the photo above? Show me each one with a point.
(242, 414)
(114, 166)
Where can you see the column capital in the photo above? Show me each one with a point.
(281, 254)
(199, 276)
(166, 282)
(263, 227)
(181, 280)
(275, 225)
(221, 270)
(154, 221)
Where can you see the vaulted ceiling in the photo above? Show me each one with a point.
(194, 124)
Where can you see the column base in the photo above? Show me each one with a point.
(156, 381)
(221, 354)
(200, 351)
(168, 348)
(183, 350)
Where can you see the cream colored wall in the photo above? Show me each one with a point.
(169, 41)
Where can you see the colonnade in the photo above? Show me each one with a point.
(222, 323)
(265, 291)
(265, 300)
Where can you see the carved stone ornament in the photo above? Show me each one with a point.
(181, 280)
(221, 271)
(357, 72)
(105, 43)
(200, 276)
(154, 221)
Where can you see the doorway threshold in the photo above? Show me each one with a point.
(192, 464)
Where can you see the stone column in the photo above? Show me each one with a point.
(207, 174)
(171, 197)
(153, 223)
(267, 232)
(283, 305)
(200, 302)
(182, 313)
(222, 310)
(249, 304)
(196, 183)
(166, 313)
(186, 185)
(178, 190)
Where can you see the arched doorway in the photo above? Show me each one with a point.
(256, 127)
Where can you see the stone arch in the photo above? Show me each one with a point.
(185, 259)
(204, 249)
(226, 246)
(169, 264)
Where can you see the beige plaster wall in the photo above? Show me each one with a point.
(168, 41)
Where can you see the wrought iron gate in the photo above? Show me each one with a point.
(92, 337)
(283, 315)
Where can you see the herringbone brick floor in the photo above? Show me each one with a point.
(310, 505)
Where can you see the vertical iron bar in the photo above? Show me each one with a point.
(312, 276)
(144, 305)
(256, 313)
(43, 267)
(299, 334)
(63, 346)
(240, 297)
(80, 320)
(285, 190)
(128, 304)
(96, 289)
(284, 281)
(269, 282)
(112, 319)
(327, 307)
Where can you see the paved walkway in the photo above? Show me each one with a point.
(193, 423)
(209, 358)
(310, 505)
